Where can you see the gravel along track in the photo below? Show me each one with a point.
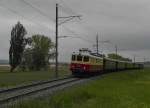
(14, 95)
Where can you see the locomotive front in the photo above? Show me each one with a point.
(79, 64)
(85, 65)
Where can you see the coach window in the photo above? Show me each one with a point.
(79, 58)
(86, 59)
(73, 57)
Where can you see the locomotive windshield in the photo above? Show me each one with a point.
(86, 59)
(73, 57)
(79, 58)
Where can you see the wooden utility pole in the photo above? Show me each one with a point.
(56, 64)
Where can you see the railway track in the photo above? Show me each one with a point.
(12, 95)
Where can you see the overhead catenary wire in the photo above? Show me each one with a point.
(26, 18)
(77, 36)
(75, 13)
(73, 32)
(65, 21)
(40, 12)
(18, 14)
(66, 8)
(37, 10)
(45, 15)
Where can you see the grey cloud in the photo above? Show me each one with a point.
(123, 22)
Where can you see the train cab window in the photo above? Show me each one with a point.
(79, 58)
(73, 57)
(86, 59)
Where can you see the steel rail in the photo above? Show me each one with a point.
(30, 85)
(30, 92)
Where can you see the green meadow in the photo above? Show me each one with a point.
(9, 79)
(126, 89)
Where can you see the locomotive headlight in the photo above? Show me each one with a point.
(84, 67)
(72, 66)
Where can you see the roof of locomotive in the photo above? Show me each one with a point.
(118, 60)
(100, 57)
(87, 54)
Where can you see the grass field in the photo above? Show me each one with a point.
(128, 89)
(8, 79)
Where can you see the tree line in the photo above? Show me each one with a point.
(29, 53)
(118, 57)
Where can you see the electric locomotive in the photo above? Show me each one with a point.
(87, 63)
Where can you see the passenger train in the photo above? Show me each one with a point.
(86, 64)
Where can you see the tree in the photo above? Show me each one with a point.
(17, 45)
(27, 60)
(114, 56)
(118, 57)
(40, 51)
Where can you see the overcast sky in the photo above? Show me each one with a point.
(123, 22)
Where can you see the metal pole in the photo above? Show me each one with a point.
(144, 60)
(134, 59)
(116, 50)
(97, 44)
(56, 65)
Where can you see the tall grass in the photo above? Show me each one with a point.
(126, 89)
